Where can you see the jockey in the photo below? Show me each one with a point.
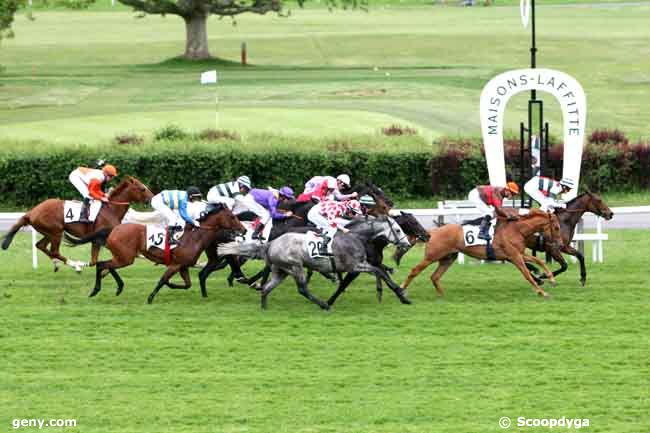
(489, 201)
(328, 217)
(226, 193)
(547, 191)
(268, 200)
(89, 183)
(366, 202)
(173, 203)
(322, 187)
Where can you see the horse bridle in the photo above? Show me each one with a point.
(393, 231)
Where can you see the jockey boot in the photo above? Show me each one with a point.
(84, 214)
(257, 234)
(484, 229)
(171, 230)
(323, 245)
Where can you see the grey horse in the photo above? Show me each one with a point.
(287, 255)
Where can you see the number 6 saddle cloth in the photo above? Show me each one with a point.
(156, 237)
(470, 233)
(72, 211)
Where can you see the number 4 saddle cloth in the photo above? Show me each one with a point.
(156, 237)
(72, 211)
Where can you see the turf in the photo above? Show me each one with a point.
(89, 75)
(489, 348)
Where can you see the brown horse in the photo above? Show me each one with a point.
(509, 244)
(127, 241)
(569, 218)
(47, 219)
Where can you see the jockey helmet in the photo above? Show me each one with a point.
(244, 181)
(344, 179)
(109, 170)
(567, 182)
(193, 192)
(100, 163)
(287, 192)
(353, 206)
(367, 200)
(513, 187)
(331, 183)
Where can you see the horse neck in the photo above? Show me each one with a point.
(575, 209)
(528, 226)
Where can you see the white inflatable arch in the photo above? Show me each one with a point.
(566, 90)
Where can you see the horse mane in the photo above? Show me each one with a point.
(121, 186)
(210, 209)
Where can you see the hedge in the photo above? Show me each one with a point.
(26, 179)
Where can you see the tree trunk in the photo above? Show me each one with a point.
(196, 42)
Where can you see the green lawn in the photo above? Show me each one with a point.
(489, 349)
(82, 77)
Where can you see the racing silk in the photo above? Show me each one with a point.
(549, 187)
(491, 195)
(228, 189)
(317, 187)
(332, 210)
(177, 200)
(269, 201)
(94, 179)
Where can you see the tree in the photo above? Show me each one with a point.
(7, 10)
(195, 13)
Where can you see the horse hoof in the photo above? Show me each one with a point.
(118, 292)
(404, 300)
(324, 306)
(93, 293)
(149, 300)
(583, 281)
(553, 283)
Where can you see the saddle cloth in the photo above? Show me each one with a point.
(156, 237)
(470, 234)
(313, 244)
(72, 210)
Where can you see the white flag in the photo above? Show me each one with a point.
(209, 77)
(524, 8)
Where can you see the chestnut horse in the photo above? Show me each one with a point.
(569, 218)
(509, 244)
(47, 219)
(127, 241)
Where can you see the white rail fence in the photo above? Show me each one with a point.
(454, 212)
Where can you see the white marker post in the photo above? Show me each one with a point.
(34, 255)
(210, 77)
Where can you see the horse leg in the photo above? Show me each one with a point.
(379, 272)
(547, 272)
(235, 270)
(443, 264)
(581, 259)
(519, 262)
(185, 275)
(42, 245)
(301, 281)
(380, 288)
(118, 280)
(110, 266)
(171, 270)
(94, 253)
(213, 265)
(416, 271)
(351, 276)
(277, 276)
(535, 273)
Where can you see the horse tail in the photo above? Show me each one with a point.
(99, 237)
(253, 249)
(23, 221)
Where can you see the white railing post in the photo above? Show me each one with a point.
(34, 255)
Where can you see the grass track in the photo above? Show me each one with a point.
(490, 348)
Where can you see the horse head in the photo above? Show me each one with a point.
(218, 217)
(411, 227)
(596, 205)
(391, 230)
(131, 190)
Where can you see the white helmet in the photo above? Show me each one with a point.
(244, 181)
(568, 182)
(331, 183)
(344, 179)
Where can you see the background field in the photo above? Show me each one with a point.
(489, 349)
(82, 77)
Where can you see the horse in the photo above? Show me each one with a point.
(298, 223)
(47, 219)
(127, 241)
(286, 255)
(509, 244)
(569, 218)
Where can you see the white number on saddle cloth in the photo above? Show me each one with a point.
(313, 245)
(470, 234)
(72, 210)
(156, 237)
